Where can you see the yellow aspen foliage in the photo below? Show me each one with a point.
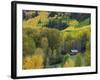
(69, 63)
(77, 35)
(33, 22)
(27, 63)
(87, 30)
(43, 14)
(66, 35)
(36, 61)
(73, 23)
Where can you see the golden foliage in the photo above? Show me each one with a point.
(36, 61)
(73, 23)
(78, 32)
(27, 63)
(33, 22)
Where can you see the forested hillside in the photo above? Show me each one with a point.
(56, 39)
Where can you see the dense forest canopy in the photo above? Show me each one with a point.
(56, 39)
(58, 20)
